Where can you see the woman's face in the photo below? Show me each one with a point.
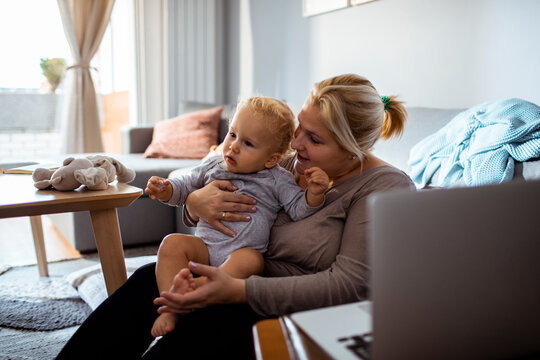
(315, 145)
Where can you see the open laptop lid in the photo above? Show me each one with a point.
(456, 272)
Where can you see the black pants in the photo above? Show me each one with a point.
(120, 328)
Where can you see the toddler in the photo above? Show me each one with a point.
(259, 134)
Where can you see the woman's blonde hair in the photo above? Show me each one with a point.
(279, 119)
(355, 113)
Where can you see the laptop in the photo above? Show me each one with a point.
(455, 274)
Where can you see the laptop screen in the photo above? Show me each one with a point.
(456, 272)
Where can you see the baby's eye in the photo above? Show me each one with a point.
(248, 143)
(232, 134)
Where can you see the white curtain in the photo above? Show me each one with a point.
(85, 22)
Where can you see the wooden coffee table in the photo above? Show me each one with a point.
(19, 197)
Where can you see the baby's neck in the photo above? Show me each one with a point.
(254, 172)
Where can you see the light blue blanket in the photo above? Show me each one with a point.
(479, 145)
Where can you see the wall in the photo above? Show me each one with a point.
(195, 30)
(443, 53)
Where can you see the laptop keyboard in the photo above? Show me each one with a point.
(359, 345)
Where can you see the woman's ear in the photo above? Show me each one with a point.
(273, 160)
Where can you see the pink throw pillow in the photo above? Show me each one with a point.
(186, 136)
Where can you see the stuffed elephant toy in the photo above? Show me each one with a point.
(95, 172)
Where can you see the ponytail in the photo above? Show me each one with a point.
(394, 117)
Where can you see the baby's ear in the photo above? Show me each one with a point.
(273, 160)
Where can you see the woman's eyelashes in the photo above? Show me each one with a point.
(299, 130)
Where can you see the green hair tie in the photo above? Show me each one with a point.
(386, 101)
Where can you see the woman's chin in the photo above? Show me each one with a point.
(298, 167)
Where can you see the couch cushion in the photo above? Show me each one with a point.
(145, 168)
(186, 136)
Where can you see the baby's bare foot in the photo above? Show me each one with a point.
(164, 324)
(200, 281)
(183, 282)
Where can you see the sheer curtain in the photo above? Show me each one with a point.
(85, 22)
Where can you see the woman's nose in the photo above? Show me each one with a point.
(297, 141)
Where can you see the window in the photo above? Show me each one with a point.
(29, 30)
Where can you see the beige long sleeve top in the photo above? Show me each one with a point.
(322, 260)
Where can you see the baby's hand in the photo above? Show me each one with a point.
(158, 188)
(317, 180)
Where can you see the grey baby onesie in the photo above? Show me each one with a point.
(273, 189)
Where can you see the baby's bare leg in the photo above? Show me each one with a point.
(175, 251)
(241, 264)
(173, 255)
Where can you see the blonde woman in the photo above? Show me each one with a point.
(315, 262)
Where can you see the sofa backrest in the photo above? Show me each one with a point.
(223, 129)
(420, 123)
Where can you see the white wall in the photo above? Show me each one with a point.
(438, 53)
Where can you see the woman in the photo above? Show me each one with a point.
(316, 262)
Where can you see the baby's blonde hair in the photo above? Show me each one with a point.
(354, 112)
(278, 117)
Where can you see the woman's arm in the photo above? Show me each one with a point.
(341, 283)
(210, 202)
(220, 288)
(343, 280)
(216, 202)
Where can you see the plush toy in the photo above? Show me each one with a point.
(96, 172)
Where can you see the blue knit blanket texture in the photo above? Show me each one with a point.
(479, 145)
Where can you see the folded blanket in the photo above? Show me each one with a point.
(479, 145)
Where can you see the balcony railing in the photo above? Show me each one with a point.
(28, 125)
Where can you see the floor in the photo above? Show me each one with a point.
(40, 345)
(17, 246)
(17, 243)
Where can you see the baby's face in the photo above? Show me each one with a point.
(249, 146)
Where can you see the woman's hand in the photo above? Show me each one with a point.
(220, 288)
(158, 188)
(217, 202)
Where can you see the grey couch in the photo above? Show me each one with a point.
(148, 221)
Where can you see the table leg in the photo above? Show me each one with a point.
(109, 246)
(269, 340)
(39, 244)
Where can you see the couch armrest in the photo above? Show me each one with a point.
(136, 138)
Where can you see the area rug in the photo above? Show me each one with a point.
(90, 283)
(32, 345)
(43, 315)
(51, 303)
(41, 304)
